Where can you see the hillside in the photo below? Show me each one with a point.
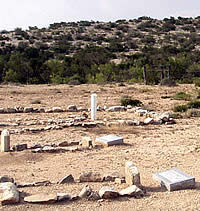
(86, 51)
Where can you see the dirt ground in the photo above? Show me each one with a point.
(152, 148)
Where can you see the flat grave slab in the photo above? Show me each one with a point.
(174, 179)
(110, 140)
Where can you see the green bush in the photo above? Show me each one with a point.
(197, 82)
(126, 100)
(193, 113)
(194, 104)
(180, 108)
(182, 96)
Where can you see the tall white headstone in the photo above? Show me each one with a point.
(5, 141)
(94, 106)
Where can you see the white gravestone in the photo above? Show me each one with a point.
(110, 140)
(5, 141)
(174, 179)
(93, 106)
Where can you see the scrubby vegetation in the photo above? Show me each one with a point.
(95, 52)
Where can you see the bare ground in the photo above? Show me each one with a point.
(152, 148)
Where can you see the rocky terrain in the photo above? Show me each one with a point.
(151, 146)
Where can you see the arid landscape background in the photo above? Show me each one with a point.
(152, 148)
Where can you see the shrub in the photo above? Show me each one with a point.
(126, 100)
(197, 82)
(180, 108)
(194, 104)
(193, 113)
(182, 96)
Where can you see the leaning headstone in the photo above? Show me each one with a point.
(5, 141)
(132, 174)
(110, 140)
(174, 179)
(8, 193)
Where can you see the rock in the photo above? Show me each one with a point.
(20, 147)
(132, 191)
(28, 109)
(6, 179)
(120, 180)
(94, 196)
(63, 196)
(91, 177)
(108, 193)
(72, 108)
(132, 174)
(148, 121)
(41, 110)
(50, 149)
(57, 109)
(89, 124)
(116, 108)
(10, 110)
(85, 192)
(67, 179)
(8, 193)
(42, 198)
(35, 146)
(86, 142)
(164, 117)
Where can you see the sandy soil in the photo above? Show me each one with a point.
(152, 148)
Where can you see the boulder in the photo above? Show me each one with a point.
(8, 193)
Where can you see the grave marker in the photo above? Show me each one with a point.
(93, 106)
(110, 140)
(174, 179)
(5, 141)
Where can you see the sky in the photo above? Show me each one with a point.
(41, 13)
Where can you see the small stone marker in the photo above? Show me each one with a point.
(174, 179)
(110, 140)
(132, 174)
(5, 141)
(86, 142)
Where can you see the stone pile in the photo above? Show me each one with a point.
(10, 194)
